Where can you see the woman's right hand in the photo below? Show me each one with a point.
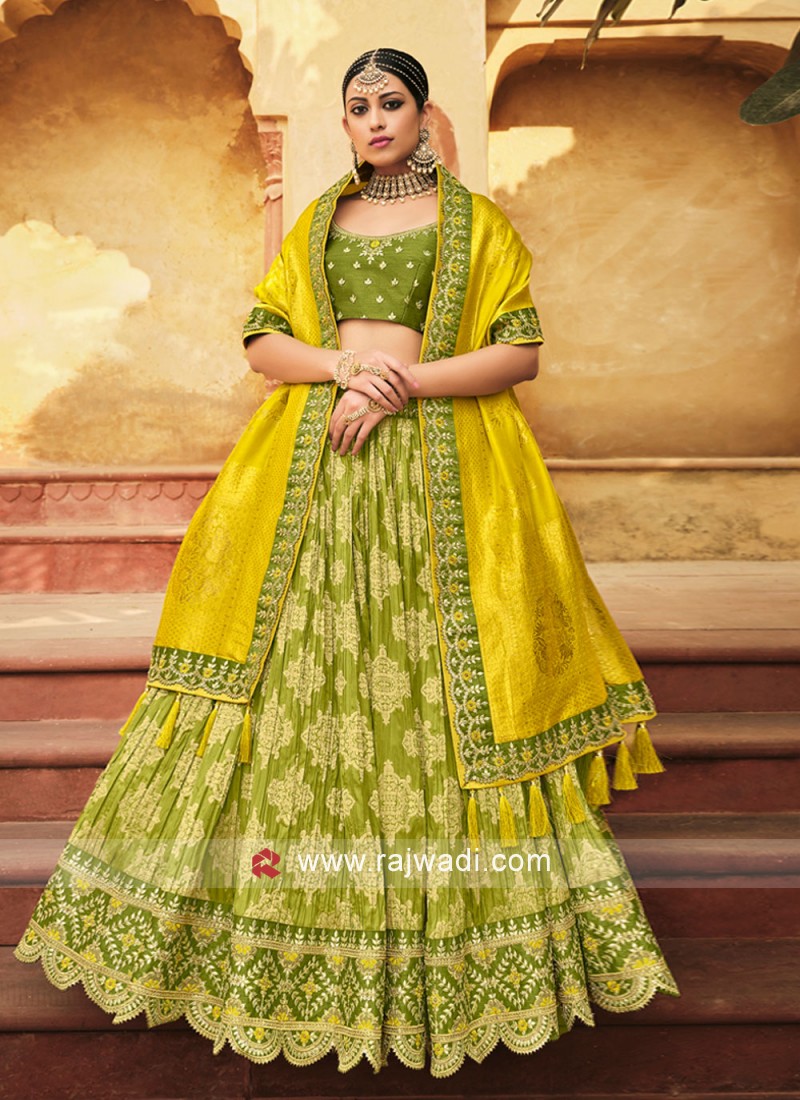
(393, 391)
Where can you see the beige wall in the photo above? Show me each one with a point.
(666, 235)
(304, 49)
(130, 236)
(664, 232)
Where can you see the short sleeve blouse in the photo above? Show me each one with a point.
(385, 278)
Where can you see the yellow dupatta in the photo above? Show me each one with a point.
(536, 671)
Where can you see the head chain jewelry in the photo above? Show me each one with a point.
(373, 78)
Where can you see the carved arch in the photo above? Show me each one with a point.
(513, 51)
(14, 13)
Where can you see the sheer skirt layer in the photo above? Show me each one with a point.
(189, 887)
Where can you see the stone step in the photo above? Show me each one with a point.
(703, 906)
(624, 1061)
(763, 849)
(715, 640)
(722, 981)
(51, 684)
(738, 1062)
(720, 762)
(60, 499)
(87, 558)
(713, 635)
(715, 763)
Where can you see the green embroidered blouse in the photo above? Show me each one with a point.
(384, 278)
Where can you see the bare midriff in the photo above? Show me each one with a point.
(370, 335)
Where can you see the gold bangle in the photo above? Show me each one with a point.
(344, 368)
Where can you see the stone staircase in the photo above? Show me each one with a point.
(713, 843)
(95, 530)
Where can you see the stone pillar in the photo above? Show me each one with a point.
(271, 133)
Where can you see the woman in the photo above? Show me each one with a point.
(381, 673)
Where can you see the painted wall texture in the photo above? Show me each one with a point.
(130, 237)
(138, 139)
(665, 234)
(304, 49)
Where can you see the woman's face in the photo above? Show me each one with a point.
(384, 126)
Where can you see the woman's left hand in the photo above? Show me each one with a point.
(356, 431)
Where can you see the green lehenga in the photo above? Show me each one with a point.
(154, 905)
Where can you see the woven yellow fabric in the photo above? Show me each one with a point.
(536, 672)
(313, 836)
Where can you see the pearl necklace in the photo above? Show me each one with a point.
(407, 185)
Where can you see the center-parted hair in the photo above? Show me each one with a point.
(399, 64)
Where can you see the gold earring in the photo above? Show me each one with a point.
(356, 177)
(424, 158)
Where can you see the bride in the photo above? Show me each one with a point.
(379, 645)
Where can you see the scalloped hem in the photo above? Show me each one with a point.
(302, 1045)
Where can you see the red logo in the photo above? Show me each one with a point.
(265, 863)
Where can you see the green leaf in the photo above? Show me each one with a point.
(619, 10)
(675, 6)
(543, 15)
(607, 8)
(778, 98)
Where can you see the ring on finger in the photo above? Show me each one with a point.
(377, 407)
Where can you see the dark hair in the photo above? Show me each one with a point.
(399, 64)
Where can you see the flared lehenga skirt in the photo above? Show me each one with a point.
(322, 895)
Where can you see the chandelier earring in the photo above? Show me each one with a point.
(356, 177)
(424, 158)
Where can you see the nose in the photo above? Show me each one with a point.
(375, 117)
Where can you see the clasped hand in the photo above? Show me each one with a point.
(391, 393)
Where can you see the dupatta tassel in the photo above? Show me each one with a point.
(207, 728)
(472, 822)
(572, 801)
(245, 744)
(538, 821)
(133, 714)
(624, 779)
(645, 758)
(164, 739)
(597, 789)
(508, 830)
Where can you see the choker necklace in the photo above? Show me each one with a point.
(407, 185)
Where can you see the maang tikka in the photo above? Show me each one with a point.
(371, 78)
(421, 180)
